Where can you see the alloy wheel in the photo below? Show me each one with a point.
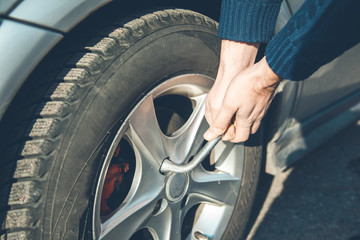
(134, 200)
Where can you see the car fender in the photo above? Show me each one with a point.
(28, 32)
(59, 15)
(22, 47)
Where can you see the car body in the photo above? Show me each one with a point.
(302, 116)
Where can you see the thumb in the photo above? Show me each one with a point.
(213, 133)
(219, 125)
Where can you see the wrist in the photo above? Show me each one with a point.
(235, 44)
(270, 73)
(240, 54)
(268, 80)
(235, 57)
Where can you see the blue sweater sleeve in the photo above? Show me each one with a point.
(248, 20)
(319, 31)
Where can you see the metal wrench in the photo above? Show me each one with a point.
(169, 166)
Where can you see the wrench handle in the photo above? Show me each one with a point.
(169, 166)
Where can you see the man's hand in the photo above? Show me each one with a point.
(234, 58)
(244, 104)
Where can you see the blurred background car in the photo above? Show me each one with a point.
(95, 94)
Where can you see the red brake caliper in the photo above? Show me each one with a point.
(114, 176)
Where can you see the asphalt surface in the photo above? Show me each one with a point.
(317, 198)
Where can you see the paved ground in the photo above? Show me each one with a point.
(318, 198)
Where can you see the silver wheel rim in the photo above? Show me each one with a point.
(173, 196)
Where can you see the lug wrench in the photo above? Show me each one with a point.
(169, 166)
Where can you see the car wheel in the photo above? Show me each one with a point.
(132, 97)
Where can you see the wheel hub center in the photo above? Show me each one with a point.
(176, 186)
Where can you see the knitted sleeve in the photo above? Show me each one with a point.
(319, 31)
(248, 20)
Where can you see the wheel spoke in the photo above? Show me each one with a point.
(129, 218)
(140, 204)
(149, 163)
(144, 125)
(161, 224)
(176, 217)
(188, 139)
(218, 188)
(167, 225)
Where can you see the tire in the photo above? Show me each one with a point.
(96, 111)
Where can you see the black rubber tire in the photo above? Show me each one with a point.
(52, 172)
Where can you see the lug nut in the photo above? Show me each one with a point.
(160, 206)
(157, 207)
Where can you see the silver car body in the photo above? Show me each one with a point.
(302, 116)
(28, 31)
